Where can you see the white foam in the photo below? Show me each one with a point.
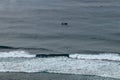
(16, 54)
(105, 56)
(62, 65)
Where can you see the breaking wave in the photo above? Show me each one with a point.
(16, 54)
(102, 56)
(26, 54)
(87, 64)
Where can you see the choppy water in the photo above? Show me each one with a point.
(35, 26)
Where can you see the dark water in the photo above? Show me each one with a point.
(93, 25)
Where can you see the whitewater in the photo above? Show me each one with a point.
(103, 64)
(31, 30)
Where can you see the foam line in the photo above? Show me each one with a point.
(26, 54)
(102, 56)
(16, 54)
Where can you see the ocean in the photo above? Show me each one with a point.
(92, 25)
(90, 38)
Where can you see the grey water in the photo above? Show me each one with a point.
(93, 25)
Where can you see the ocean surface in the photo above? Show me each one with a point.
(93, 25)
(91, 38)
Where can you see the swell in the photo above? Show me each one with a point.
(24, 48)
(52, 55)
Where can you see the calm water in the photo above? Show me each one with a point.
(93, 25)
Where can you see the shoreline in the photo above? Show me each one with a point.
(48, 76)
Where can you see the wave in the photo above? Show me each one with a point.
(24, 48)
(25, 54)
(52, 55)
(16, 54)
(64, 63)
(7, 47)
(102, 56)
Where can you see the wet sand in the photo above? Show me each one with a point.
(48, 76)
